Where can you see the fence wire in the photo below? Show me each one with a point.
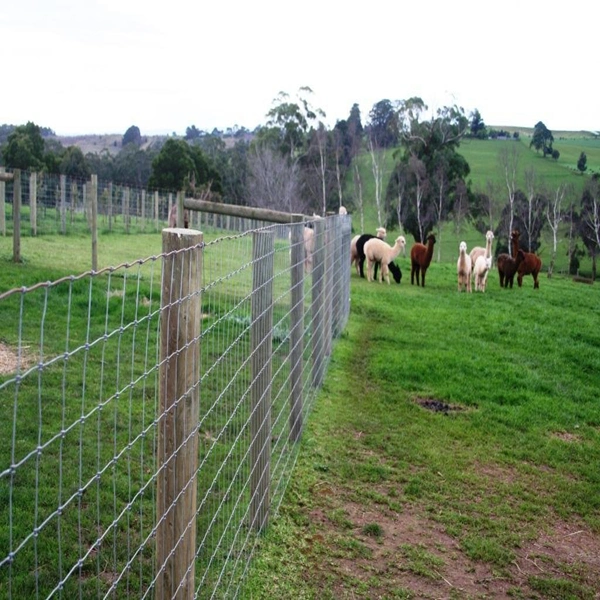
(151, 416)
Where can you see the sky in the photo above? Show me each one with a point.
(100, 66)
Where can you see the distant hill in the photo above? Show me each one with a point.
(96, 143)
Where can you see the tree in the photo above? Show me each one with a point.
(192, 133)
(172, 167)
(477, 127)
(73, 164)
(382, 127)
(25, 148)
(542, 139)
(508, 159)
(290, 121)
(132, 136)
(429, 148)
(589, 228)
(554, 216)
(273, 180)
(582, 163)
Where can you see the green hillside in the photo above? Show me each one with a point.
(483, 159)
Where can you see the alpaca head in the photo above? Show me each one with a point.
(431, 238)
(395, 271)
(381, 233)
(463, 247)
(402, 241)
(489, 236)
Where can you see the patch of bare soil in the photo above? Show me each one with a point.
(9, 359)
(385, 568)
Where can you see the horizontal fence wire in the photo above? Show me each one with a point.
(151, 417)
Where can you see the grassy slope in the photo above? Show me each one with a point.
(484, 484)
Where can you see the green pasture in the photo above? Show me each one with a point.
(393, 500)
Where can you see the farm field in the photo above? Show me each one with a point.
(453, 452)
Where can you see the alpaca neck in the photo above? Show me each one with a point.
(395, 251)
(515, 246)
(429, 251)
(488, 248)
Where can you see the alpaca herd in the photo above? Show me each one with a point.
(472, 267)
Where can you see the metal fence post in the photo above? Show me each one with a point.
(261, 367)
(179, 398)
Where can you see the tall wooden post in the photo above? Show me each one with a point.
(94, 220)
(261, 348)
(2, 203)
(156, 198)
(63, 204)
(17, 216)
(296, 328)
(33, 203)
(318, 305)
(179, 399)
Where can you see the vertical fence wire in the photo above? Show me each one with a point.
(111, 483)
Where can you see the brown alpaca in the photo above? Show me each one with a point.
(507, 267)
(420, 259)
(530, 265)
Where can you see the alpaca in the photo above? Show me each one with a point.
(483, 264)
(420, 259)
(479, 250)
(463, 268)
(173, 217)
(342, 210)
(309, 248)
(354, 253)
(507, 267)
(360, 248)
(530, 265)
(378, 251)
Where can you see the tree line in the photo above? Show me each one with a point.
(294, 162)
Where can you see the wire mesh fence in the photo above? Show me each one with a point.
(150, 418)
(51, 204)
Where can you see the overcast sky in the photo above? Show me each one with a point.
(100, 66)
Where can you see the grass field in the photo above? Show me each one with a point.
(496, 494)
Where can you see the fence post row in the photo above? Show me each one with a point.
(4, 177)
(318, 305)
(179, 399)
(261, 347)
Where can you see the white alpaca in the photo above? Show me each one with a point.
(478, 251)
(354, 257)
(463, 268)
(342, 210)
(376, 250)
(483, 264)
(309, 248)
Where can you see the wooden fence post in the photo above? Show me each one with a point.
(17, 216)
(156, 211)
(33, 203)
(261, 347)
(318, 305)
(296, 328)
(126, 208)
(63, 204)
(94, 220)
(328, 289)
(110, 205)
(179, 399)
(2, 204)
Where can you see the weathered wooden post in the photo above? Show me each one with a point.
(177, 421)
(63, 204)
(33, 203)
(17, 215)
(2, 201)
(110, 205)
(318, 305)
(180, 215)
(94, 220)
(296, 328)
(126, 208)
(261, 347)
(156, 198)
(143, 210)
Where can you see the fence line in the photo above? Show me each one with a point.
(152, 418)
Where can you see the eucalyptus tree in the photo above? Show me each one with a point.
(555, 214)
(429, 148)
(589, 221)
